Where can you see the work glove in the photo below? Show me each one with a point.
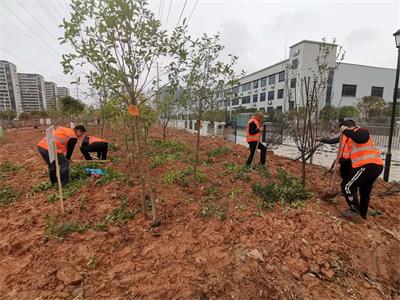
(343, 128)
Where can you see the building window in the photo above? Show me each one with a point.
(246, 87)
(377, 91)
(262, 97)
(281, 76)
(280, 94)
(270, 109)
(246, 100)
(255, 98)
(255, 84)
(279, 109)
(349, 90)
(293, 83)
(295, 63)
(263, 81)
(235, 89)
(291, 104)
(271, 95)
(235, 101)
(271, 79)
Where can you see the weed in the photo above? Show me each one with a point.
(289, 190)
(263, 171)
(121, 215)
(113, 147)
(43, 186)
(60, 231)
(219, 151)
(101, 226)
(112, 175)
(8, 195)
(210, 208)
(8, 166)
(212, 192)
(116, 159)
(166, 151)
(239, 171)
(182, 177)
(208, 162)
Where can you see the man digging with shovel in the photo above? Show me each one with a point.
(253, 136)
(366, 166)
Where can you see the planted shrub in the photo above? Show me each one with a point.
(288, 190)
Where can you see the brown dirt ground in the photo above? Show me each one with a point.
(285, 253)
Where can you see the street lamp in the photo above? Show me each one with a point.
(395, 96)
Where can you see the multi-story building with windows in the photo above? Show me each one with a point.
(32, 92)
(277, 87)
(51, 94)
(62, 91)
(10, 97)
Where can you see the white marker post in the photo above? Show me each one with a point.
(53, 156)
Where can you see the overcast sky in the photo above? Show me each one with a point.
(258, 31)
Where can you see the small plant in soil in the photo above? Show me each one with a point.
(239, 171)
(166, 151)
(288, 190)
(212, 192)
(122, 214)
(100, 226)
(112, 175)
(60, 231)
(219, 151)
(210, 208)
(8, 195)
(43, 186)
(181, 177)
(8, 166)
(113, 147)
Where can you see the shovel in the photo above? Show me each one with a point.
(331, 193)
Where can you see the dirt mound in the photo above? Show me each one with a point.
(214, 240)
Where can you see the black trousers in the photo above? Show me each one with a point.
(360, 181)
(252, 147)
(63, 163)
(100, 147)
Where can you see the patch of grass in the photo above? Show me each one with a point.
(209, 208)
(239, 171)
(8, 195)
(219, 151)
(181, 177)
(43, 186)
(208, 162)
(166, 151)
(8, 166)
(233, 195)
(288, 190)
(60, 231)
(112, 175)
(100, 226)
(122, 214)
(212, 192)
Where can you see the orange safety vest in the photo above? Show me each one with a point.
(93, 139)
(344, 148)
(252, 137)
(363, 154)
(62, 136)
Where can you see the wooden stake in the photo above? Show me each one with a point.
(58, 178)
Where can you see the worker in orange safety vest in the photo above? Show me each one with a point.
(367, 165)
(91, 143)
(253, 137)
(65, 141)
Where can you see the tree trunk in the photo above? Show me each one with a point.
(303, 170)
(140, 163)
(197, 146)
(125, 137)
(164, 132)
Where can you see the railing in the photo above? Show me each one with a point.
(380, 134)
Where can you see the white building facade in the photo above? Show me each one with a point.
(51, 94)
(32, 92)
(62, 91)
(10, 97)
(269, 88)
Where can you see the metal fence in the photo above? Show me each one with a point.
(380, 134)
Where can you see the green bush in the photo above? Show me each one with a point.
(219, 151)
(8, 195)
(288, 190)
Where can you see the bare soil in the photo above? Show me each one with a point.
(284, 253)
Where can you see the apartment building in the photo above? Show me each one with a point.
(32, 92)
(274, 87)
(10, 97)
(62, 92)
(50, 94)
